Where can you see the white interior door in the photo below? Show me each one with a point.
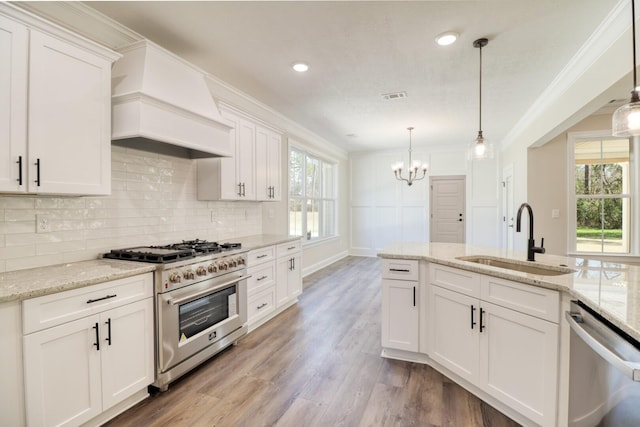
(447, 206)
(507, 208)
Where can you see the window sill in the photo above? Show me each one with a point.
(320, 241)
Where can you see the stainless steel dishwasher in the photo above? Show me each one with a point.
(604, 373)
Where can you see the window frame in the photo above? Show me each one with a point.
(632, 195)
(306, 154)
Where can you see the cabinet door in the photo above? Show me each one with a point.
(245, 159)
(263, 185)
(400, 314)
(62, 374)
(69, 119)
(274, 173)
(127, 351)
(453, 334)
(13, 111)
(519, 361)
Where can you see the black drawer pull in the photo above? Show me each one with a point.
(19, 162)
(264, 304)
(473, 322)
(108, 323)
(97, 343)
(101, 299)
(37, 172)
(400, 270)
(482, 325)
(262, 256)
(262, 278)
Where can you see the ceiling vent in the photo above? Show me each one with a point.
(394, 95)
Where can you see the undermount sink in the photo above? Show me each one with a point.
(523, 266)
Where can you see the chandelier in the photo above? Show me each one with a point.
(413, 167)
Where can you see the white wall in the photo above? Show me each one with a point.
(384, 210)
(153, 201)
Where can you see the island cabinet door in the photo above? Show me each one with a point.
(400, 315)
(453, 332)
(519, 358)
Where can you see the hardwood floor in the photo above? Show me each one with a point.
(316, 364)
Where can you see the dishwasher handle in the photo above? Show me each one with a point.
(588, 335)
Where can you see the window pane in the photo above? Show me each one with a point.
(312, 219)
(614, 231)
(295, 217)
(328, 177)
(589, 225)
(328, 218)
(296, 172)
(313, 177)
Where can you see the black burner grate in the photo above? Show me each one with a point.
(172, 252)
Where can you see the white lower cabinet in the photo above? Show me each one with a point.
(288, 272)
(400, 315)
(77, 369)
(506, 353)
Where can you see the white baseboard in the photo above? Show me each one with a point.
(324, 263)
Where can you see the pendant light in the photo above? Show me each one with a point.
(413, 167)
(626, 119)
(480, 148)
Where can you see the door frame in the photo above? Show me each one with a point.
(507, 205)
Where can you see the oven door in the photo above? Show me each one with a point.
(195, 317)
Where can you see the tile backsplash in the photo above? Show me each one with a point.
(152, 201)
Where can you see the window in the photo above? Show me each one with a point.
(312, 196)
(602, 195)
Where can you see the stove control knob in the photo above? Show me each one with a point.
(188, 274)
(240, 261)
(201, 271)
(222, 265)
(232, 263)
(213, 268)
(174, 277)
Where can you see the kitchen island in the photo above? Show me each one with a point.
(499, 332)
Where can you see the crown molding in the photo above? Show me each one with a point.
(610, 32)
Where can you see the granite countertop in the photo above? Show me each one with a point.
(34, 282)
(263, 240)
(612, 289)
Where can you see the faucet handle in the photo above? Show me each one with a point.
(542, 242)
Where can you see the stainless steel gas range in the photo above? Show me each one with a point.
(201, 301)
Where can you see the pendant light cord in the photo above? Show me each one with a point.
(480, 97)
(634, 92)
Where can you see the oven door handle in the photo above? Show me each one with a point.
(593, 339)
(190, 297)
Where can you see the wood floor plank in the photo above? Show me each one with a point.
(316, 364)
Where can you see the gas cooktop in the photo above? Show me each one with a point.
(171, 252)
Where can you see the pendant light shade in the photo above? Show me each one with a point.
(626, 119)
(480, 148)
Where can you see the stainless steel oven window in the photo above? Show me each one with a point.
(200, 314)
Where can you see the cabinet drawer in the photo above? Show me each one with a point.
(462, 281)
(290, 247)
(258, 256)
(533, 300)
(400, 269)
(55, 309)
(261, 304)
(262, 276)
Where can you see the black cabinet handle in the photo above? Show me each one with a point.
(482, 325)
(38, 172)
(243, 190)
(19, 162)
(473, 322)
(264, 304)
(414, 296)
(97, 343)
(101, 299)
(239, 189)
(108, 323)
(261, 278)
(399, 270)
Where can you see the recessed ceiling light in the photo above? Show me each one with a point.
(300, 67)
(445, 39)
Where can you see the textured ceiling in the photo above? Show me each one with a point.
(360, 50)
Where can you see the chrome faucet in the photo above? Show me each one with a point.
(531, 248)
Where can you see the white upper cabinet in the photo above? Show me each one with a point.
(55, 109)
(253, 173)
(268, 175)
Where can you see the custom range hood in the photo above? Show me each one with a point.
(162, 104)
